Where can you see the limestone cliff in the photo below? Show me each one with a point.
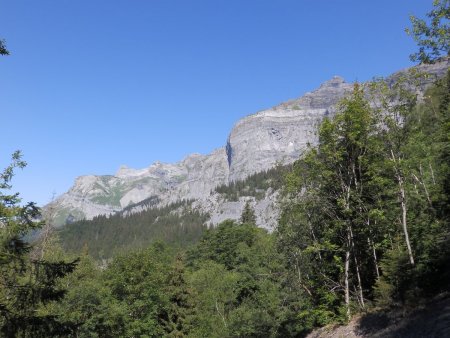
(256, 143)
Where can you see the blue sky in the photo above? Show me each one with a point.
(94, 84)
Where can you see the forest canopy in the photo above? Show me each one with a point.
(364, 226)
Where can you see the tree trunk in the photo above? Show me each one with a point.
(432, 174)
(422, 181)
(401, 188)
(360, 290)
(358, 276)
(404, 221)
(374, 252)
(313, 235)
(347, 288)
(221, 315)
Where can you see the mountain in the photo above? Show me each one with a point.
(256, 144)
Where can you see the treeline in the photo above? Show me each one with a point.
(231, 284)
(255, 185)
(366, 221)
(103, 236)
(364, 224)
(176, 223)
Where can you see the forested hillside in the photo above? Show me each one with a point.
(255, 185)
(364, 231)
(366, 221)
(177, 223)
(364, 226)
(105, 236)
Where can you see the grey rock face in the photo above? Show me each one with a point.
(256, 143)
(192, 178)
(281, 134)
(219, 209)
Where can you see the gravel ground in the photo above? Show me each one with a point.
(431, 320)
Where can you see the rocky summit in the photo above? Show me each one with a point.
(258, 142)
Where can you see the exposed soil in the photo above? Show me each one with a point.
(428, 321)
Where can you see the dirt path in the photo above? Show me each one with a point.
(430, 321)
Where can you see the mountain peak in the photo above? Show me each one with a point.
(335, 81)
(127, 172)
(256, 143)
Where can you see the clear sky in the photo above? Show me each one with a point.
(94, 84)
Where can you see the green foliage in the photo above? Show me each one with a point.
(221, 244)
(105, 236)
(237, 273)
(248, 214)
(216, 290)
(255, 185)
(377, 175)
(27, 284)
(365, 220)
(142, 293)
(90, 303)
(325, 222)
(424, 148)
(111, 195)
(181, 310)
(339, 247)
(432, 37)
(3, 49)
(137, 281)
(392, 285)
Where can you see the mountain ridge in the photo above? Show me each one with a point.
(257, 142)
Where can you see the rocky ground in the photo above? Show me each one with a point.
(430, 320)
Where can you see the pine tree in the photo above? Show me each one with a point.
(26, 284)
(3, 49)
(181, 302)
(248, 214)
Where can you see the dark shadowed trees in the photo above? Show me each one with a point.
(27, 285)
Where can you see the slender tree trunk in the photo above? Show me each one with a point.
(427, 195)
(432, 174)
(360, 290)
(46, 235)
(221, 315)
(347, 254)
(424, 185)
(358, 276)
(300, 279)
(374, 252)
(403, 207)
(346, 283)
(313, 235)
(404, 221)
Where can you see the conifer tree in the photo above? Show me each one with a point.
(248, 214)
(181, 302)
(26, 284)
(3, 49)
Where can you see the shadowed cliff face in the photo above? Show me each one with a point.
(257, 142)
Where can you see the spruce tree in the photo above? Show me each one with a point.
(248, 214)
(181, 308)
(26, 284)
(3, 49)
